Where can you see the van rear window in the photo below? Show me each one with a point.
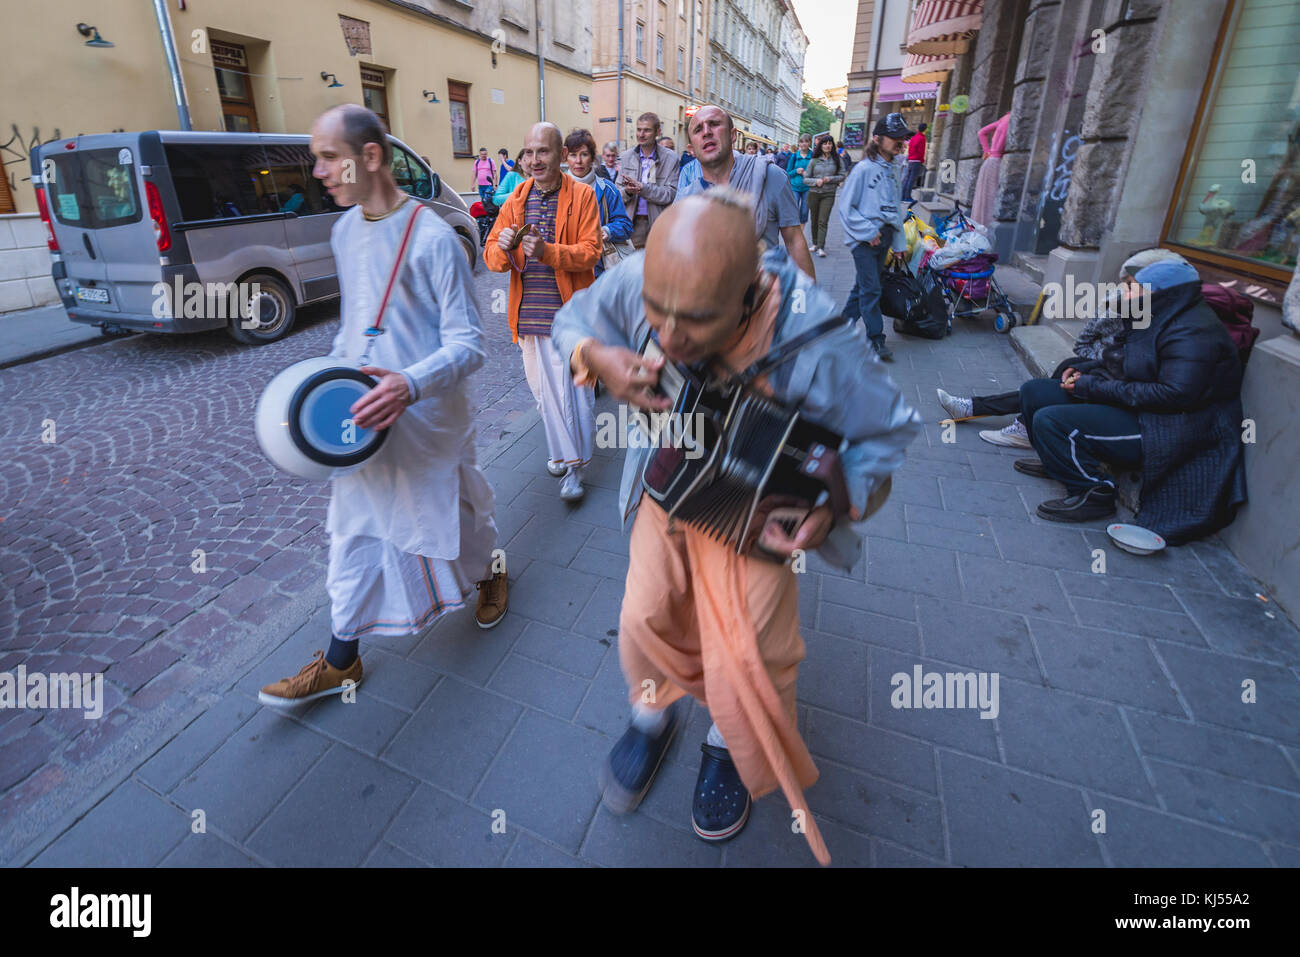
(94, 189)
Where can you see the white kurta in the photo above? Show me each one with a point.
(399, 554)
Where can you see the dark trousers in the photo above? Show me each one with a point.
(819, 212)
(485, 195)
(913, 178)
(1074, 438)
(864, 300)
(1008, 403)
(640, 230)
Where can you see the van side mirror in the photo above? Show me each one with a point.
(437, 186)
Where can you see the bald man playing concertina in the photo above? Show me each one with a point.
(698, 618)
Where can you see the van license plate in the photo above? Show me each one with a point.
(88, 294)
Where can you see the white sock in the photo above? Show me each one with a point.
(715, 737)
(649, 720)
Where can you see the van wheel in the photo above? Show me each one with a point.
(471, 250)
(273, 312)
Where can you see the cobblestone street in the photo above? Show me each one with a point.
(1121, 692)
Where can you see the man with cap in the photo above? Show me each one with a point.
(871, 212)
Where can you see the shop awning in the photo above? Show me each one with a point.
(927, 69)
(944, 26)
(895, 88)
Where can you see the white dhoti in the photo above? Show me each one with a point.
(567, 410)
(377, 589)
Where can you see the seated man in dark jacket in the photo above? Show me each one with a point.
(1165, 397)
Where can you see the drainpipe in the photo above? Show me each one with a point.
(541, 62)
(173, 64)
(618, 134)
(875, 77)
(690, 70)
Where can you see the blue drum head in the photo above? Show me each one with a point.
(319, 421)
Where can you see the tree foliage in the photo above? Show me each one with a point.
(816, 116)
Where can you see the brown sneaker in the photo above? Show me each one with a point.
(314, 681)
(491, 601)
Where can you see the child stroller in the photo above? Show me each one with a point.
(485, 214)
(968, 282)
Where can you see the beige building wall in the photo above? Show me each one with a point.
(55, 86)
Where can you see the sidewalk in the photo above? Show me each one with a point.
(43, 331)
(1119, 693)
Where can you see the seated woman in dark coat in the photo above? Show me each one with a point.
(1165, 397)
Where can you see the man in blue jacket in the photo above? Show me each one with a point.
(872, 215)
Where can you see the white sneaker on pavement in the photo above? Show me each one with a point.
(1013, 436)
(957, 407)
(821, 252)
(571, 489)
(556, 468)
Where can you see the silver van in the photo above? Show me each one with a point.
(146, 230)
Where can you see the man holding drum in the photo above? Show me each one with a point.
(412, 531)
(697, 618)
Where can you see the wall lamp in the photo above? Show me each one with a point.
(334, 81)
(431, 96)
(96, 40)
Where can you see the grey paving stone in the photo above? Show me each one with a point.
(951, 466)
(912, 487)
(335, 814)
(1045, 544)
(963, 729)
(978, 637)
(1026, 589)
(1147, 621)
(871, 806)
(546, 689)
(456, 645)
(915, 568)
(1239, 805)
(551, 538)
(685, 750)
(561, 649)
(397, 681)
(195, 742)
(1145, 595)
(882, 601)
(605, 564)
(1093, 662)
(855, 573)
(1241, 626)
(609, 540)
(530, 852)
(890, 855)
(637, 840)
(1177, 566)
(866, 627)
(1211, 684)
(999, 817)
(451, 739)
(606, 708)
(981, 498)
(973, 543)
(206, 850)
(1236, 755)
(994, 466)
(669, 798)
(1140, 837)
(546, 779)
(1225, 569)
(385, 855)
(874, 750)
(809, 591)
(509, 521)
(444, 832)
(941, 518)
(1074, 739)
(367, 724)
(1284, 856)
(239, 784)
(769, 840)
(834, 675)
(551, 594)
(599, 617)
(132, 827)
(888, 522)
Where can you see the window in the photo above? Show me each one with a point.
(294, 189)
(681, 9)
(659, 52)
(458, 110)
(410, 175)
(640, 42)
(374, 92)
(1251, 100)
(234, 87)
(681, 64)
(94, 188)
(221, 182)
(6, 197)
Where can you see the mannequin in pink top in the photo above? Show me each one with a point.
(993, 139)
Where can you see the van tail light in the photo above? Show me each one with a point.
(161, 231)
(44, 207)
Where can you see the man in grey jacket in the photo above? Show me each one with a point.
(872, 215)
(647, 176)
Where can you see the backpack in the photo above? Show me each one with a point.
(1235, 311)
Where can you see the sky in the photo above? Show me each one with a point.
(829, 26)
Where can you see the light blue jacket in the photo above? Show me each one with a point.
(836, 381)
(794, 168)
(871, 198)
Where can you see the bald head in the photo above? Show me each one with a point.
(710, 134)
(359, 126)
(543, 153)
(700, 258)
